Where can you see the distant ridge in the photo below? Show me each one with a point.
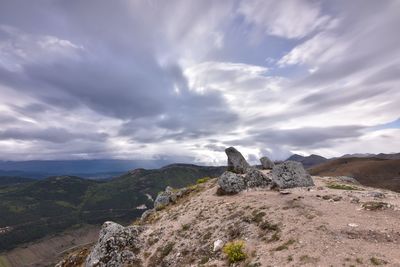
(373, 171)
(308, 161)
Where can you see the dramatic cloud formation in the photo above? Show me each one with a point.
(183, 79)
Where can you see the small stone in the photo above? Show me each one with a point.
(353, 225)
(218, 244)
(376, 194)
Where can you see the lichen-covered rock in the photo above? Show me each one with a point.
(256, 178)
(290, 174)
(231, 183)
(236, 161)
(117, 246)
(266, 163)
(166, 197)
(146, 214)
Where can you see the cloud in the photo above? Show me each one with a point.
(130, 80)
(277, 17)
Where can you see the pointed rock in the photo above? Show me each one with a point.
(236, 162)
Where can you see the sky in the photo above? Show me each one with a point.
(184, 79)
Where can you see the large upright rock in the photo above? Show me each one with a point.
(266, 163)
(290, 174)
(231, 183)
(256, 178)
(117, 246)
(236, 161)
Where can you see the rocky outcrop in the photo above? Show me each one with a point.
(231, 183)
(236, 161)
(266, 163)
(117, 246)
(256, 178)
(290, 174)
(165, 197)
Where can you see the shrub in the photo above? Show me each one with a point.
(234, 251)
(343, 187)
(202, 180)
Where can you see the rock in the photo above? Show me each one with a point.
(146, 214)
(166, 197)
(236, 162)
(290, 174)
(117, 246)
(231, 183)
(353, 225)
(256, 178)
(266, 163)
(348, 179)
(162, 200)
(218, 244)
(376, 194)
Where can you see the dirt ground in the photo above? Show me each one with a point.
(317, 226)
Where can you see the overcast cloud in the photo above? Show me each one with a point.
(148, 79)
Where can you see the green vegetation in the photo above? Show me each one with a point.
(234, 251)
(41, 207)
(376, 261)
(203, 180)
(343, 187)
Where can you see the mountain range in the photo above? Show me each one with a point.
(32, 209)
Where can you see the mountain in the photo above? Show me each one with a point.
(374, 172)
(369, 155)
(308, 161)
(84, 168)
(34, 209)
(8, 180)
(335, 224)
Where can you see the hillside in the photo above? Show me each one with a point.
(373, 172)
(9, 180)
(308, 161)
(275, 216)
(320, 226)
(33, 210)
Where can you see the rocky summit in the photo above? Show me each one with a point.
(278, 217)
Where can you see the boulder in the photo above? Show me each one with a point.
(236, 161)
(266, 163)
(256, 178)
(117, 246)
(165, 197)
(147, 214)
(290, 174)
(231, 183)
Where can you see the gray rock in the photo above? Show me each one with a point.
(162, 200)
(117, 246)
(348, 179)
(166, 197)
(376, 194)
(231, 183)
(236, 161)
(255, 178)
(146, 214)
(290, 174)
(266, 163)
